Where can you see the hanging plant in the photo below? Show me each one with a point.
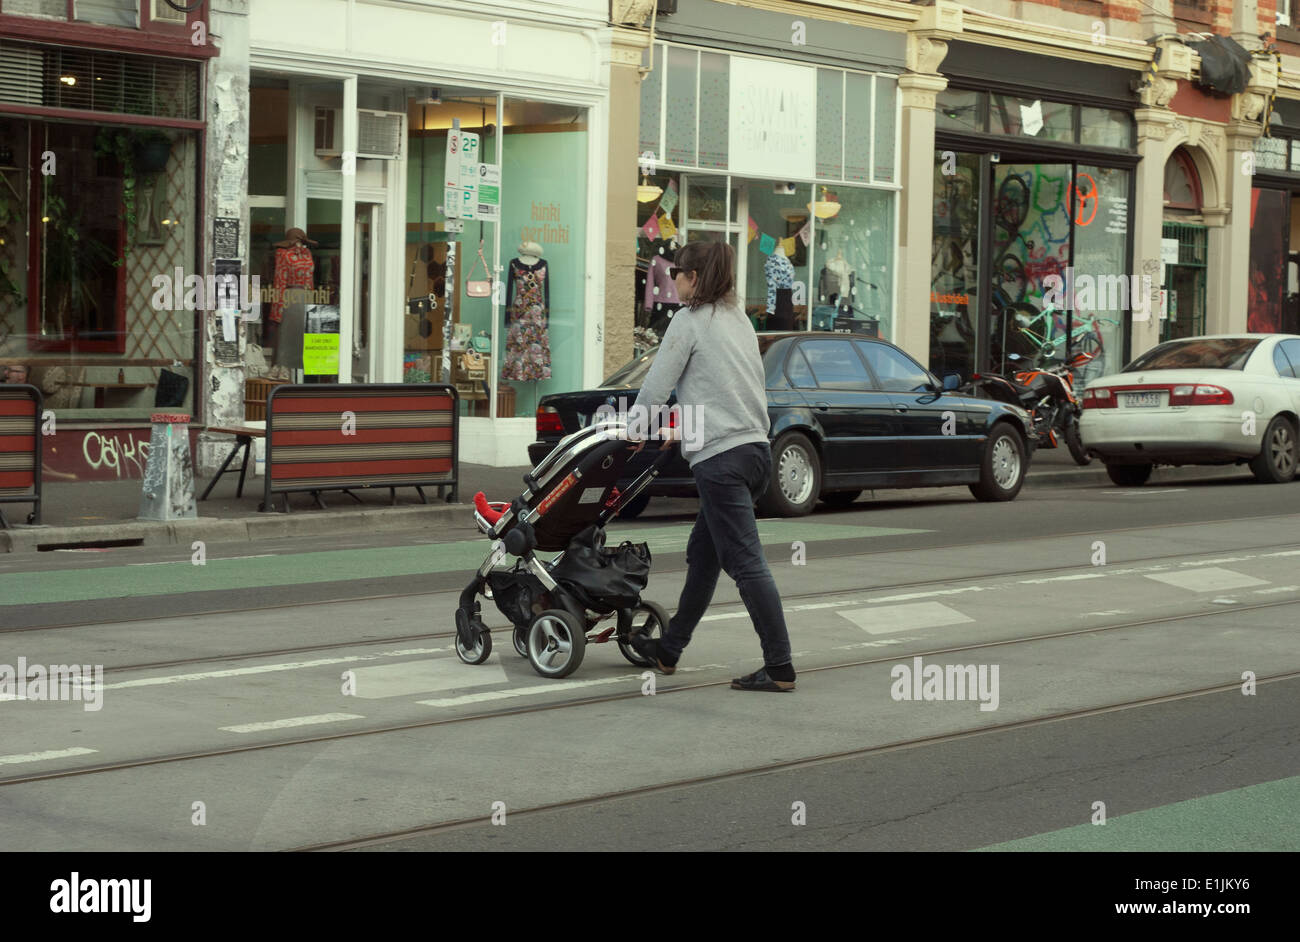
(121, 146)
(8, 213)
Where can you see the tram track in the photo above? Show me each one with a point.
(387, 837)
(578, 702)
(450, 633)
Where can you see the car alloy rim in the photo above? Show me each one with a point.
(550, 643)
(1006, 463)
(796, 474)
(1283, 449)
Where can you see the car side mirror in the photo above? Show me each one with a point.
(951, 381)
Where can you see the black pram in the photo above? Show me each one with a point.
(568, 499)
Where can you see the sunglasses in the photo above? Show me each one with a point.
(674, 272)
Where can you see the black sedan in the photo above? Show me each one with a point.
(847, 413)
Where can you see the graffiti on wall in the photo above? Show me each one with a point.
(120, 453)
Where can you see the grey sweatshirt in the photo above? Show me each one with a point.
(710, 354)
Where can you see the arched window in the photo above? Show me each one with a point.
(1182, 183)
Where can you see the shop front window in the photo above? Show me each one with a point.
(540, 331)
(1099, 204)
(96, 223)
(954, 264)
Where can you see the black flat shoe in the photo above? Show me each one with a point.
(760, 681)
(648, 648)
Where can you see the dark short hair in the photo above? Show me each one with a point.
(715, 265)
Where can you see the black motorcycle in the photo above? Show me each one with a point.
(1046, 392)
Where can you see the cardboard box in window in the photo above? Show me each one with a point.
(426, 267)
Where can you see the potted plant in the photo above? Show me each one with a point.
(150, 151)
(73, 266)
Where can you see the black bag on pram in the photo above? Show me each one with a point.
(609, 579)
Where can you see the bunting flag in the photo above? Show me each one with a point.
(651, 228)
(787, 245)
(668, 202)
(753, 230)
(667, 228)
(805, 234)
(766, 244)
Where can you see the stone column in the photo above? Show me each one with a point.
(916, 211)
(1155, 121)
(927, 44)
(226, 196)
(1245, 23)
(1157, 17)
(626, 47)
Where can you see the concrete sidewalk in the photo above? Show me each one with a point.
(101, 512)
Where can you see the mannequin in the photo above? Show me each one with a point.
(295, 274)
(780, 283)
(837, 284)
(528, 302)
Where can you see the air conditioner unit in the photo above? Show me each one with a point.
(379, 133)
(22, 72)
(165, 13)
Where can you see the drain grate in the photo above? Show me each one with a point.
(89, 545)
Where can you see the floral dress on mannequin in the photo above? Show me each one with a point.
(528, 297)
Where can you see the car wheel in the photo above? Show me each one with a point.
(1129, 475)
(796, 478)
(1002, 469)
(1074, 441)
(1276, 461)
(635, 507)
(840, 498)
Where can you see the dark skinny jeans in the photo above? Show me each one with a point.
(725, 537)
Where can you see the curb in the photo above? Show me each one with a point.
(271, 526)
(268, 526)
(1090, 475)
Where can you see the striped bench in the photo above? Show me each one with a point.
(399, 435)
(20, 449)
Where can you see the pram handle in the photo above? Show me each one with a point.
(636, 487)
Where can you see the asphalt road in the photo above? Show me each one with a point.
(306, 695)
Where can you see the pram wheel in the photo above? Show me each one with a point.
(521, 640)
(477, 654)
(648, 618)
(556, 643)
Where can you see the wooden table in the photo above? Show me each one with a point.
(101, 388)
(243, 439)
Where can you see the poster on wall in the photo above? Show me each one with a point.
(773, 121)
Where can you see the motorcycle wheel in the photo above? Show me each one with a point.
(1074, 441)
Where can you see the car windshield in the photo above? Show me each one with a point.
(632, 374)
(1220, 353)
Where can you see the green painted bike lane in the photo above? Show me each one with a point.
(1255, 818)
(182, 576)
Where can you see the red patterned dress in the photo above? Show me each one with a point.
(528, 295)
(294, 269)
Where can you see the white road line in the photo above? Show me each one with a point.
(424, 677)
(291, 721)
(45, 756)
(1208, 580)
(265, 668)
(1075, 578)
(10, 696)
(526, 691)
(888, 619)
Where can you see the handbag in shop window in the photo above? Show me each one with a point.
(478, 289)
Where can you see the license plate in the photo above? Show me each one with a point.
(1141, 400)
